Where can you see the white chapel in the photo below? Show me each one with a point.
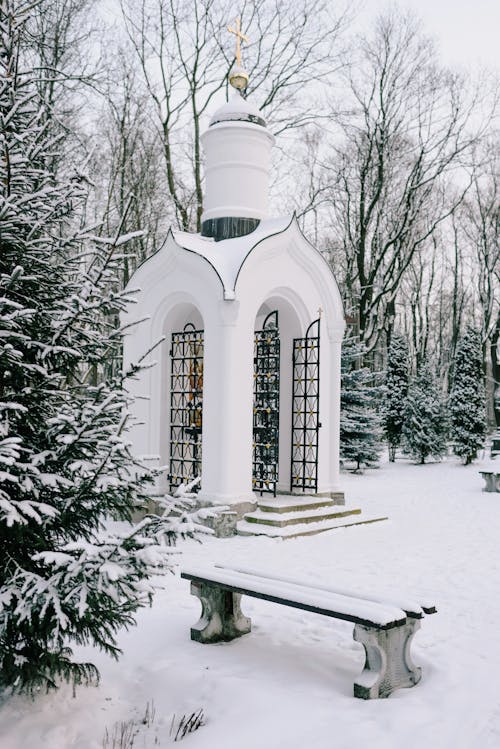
(245, 393)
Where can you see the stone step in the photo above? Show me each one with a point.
(280, 520)
(291, 503)
(245, 528)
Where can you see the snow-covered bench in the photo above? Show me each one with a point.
(492, 480)
(384, 625)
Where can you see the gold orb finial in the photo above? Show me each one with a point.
(238, 77)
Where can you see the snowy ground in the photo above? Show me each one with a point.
(289, 683)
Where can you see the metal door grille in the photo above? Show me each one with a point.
(305, 410)
(266, 406)
(186, 405)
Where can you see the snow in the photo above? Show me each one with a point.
(363, 611)
(270, 517)
(237, 108)
(410, 606)
(114, 241)
(288, 684)
(290, 531)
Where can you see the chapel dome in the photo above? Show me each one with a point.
(238, 109)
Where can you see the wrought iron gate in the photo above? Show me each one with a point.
(186, 405)
(266, 406)
(305, 410)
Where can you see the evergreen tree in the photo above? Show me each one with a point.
(467, 397)
(424, 427)
(359, 421)
(65, 465)
(395, 392)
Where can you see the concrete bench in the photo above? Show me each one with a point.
(384, 626)
(492, 480)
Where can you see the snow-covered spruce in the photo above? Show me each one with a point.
(395, 391)
(425, 425)
(359, 422)
(467, 397)
(65, 466)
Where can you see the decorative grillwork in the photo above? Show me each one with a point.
(186, 405)
(266, 409)
(305, 410)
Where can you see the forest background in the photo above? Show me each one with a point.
(389, 158)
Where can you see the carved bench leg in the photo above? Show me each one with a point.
(492, 481)
(489, 481)
(388, 664)
(221, 618)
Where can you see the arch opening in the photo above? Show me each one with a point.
(182, 396)
(275, 394)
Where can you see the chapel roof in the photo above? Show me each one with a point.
(227, 256)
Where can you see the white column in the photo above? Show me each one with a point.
(329, 409)
(227, 408)
(139, 388)
(285, 422)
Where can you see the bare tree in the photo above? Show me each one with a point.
(435, 300)
(185, 55)
(58, 39)
(480, 223)
(125, 165)
(404, 136)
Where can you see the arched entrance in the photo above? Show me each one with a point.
(183, 388)
(305, 411)
(186, 404)
(266, 406)
(286, 400)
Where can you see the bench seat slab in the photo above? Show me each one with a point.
(221, 617)
(388, 663)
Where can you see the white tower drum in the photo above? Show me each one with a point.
(237, 149)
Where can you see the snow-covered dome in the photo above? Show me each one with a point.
(238, 109)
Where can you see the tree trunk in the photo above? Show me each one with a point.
(495, 370)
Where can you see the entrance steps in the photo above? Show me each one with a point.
(289, 516)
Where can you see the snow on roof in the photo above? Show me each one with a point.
(356, 609)
(238, 108)
(227, 255)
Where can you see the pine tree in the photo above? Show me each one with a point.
(467, 397)
(65, 465)
(359, 421)
(424, 427)
(395, 392)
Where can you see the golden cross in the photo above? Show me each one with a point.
(239, 38)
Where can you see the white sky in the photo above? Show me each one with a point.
(467, 32)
